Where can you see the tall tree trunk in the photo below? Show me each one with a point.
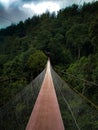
(79, 52)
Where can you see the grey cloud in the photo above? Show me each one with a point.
(29, 0)
(4, 21)
(35, 1)
(15, 12)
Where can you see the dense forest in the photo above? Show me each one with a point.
(68, 38)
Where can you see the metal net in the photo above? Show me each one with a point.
(77, 113)
(15, 114)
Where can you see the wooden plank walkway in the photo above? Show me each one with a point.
(46, 113)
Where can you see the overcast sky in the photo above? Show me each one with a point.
(12, 11)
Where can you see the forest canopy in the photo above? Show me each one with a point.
(69, 38)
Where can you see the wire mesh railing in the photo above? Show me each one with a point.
(76, 112)
(15, 114)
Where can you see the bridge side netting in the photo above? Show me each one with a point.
(15, 114)
(76, 112)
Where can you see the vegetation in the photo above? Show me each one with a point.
(69, 38)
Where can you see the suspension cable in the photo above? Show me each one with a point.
(80, 94)
(80, 78)
(69, 107)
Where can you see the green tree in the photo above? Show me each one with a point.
(14, 68)
(93, 32)
(76, 37)
(36, 63)
(43, 39)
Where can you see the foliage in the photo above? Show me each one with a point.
(77, 37)
(69, 38)
(86, 70)
(36, 62)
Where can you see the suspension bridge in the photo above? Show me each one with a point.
(46, 114)
(48, 103)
